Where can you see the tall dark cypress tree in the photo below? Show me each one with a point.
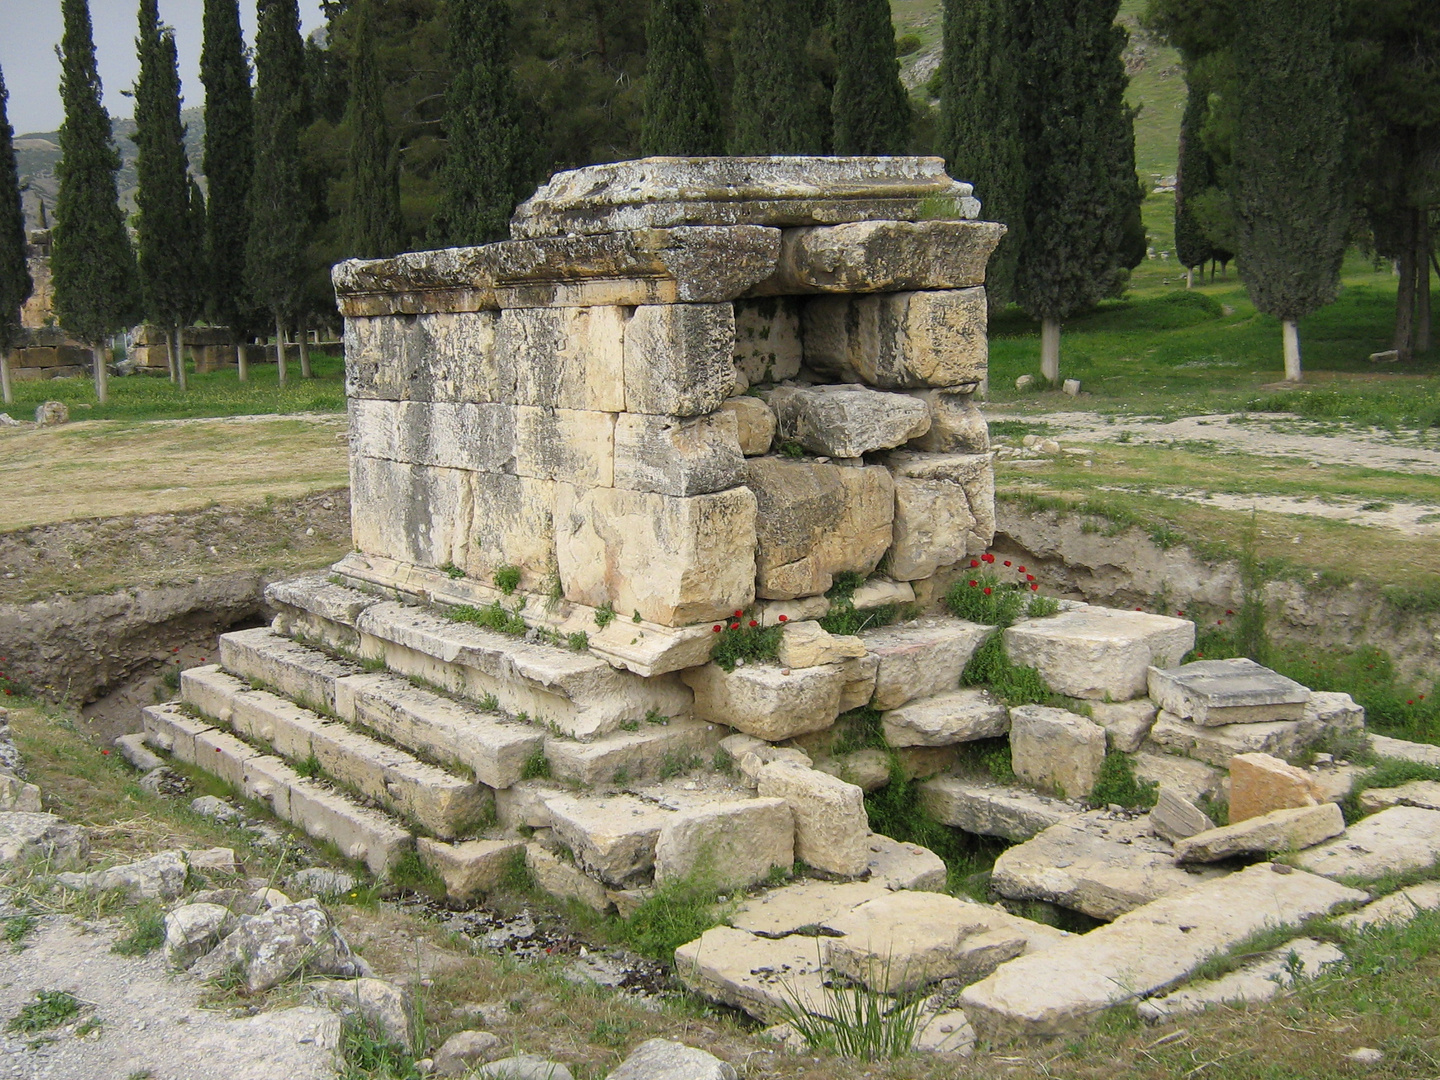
(775, 96)
(373, 218)
(1195, 173)
(871, 109)
(167, 266)
(274, 255)
(1082, 195)
(229, 164)
(15, 283)
(1289, 187)
(980, 123)
(682, 112)
(92, 261)
(487, 150)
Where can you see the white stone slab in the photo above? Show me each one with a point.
(1392, 841)
(1215, 692)
(1100, 653)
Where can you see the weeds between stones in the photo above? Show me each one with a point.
(741, 637)
(855, 1021)
(1117, 785)
(147, 932)
(366, 1054)
(51, 1008)
(507, 579)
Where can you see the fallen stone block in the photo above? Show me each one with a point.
(1126, 723)
(1392, 841)
(564, 880)
(384, 1007)
(867, 769)
(464, 1050)
(471, 867)
(612, 836)
(1261, 980)
(766, 700)
(663, 1059)
(1193, 780)
(764, 977)
(1101, 653)
(897, 864)
(265, 950)
(944, 719)
(1057, 750)
(732, 844)
(847, 421)
(192, 930)
(1216, 692)
(1399, 907)
(1174, 817)
(807, 644)
(1278, 831)
(921, 658)
(523, 1067)
(831, 827)
(1260, 783)
(160, 877)
(803, 906)
(881, 592)
(947, 1032)
(16, 794)
(991, 809)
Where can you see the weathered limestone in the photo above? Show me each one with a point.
(1174, 817)
(883, 256)
(1056, 750)
(193, 929)
(566, 357)
(634, 756)
(867, 769)
(881, 592)
(733, 844)
(814, 521)
(567, 445)
(678, 359)
(1392, 841)
(1101, 653)
(831, 828)
(16, 794)
(662, 1059)
(1259, 980)
(1405, 751)
(944, 510)
(564, 880)
(921, 658)
(956, 425)
(671, 456)
(847, 421)
(512, 524)
(1056, 991)
(899, 865)
(991, 809)
(1126, 723)
(807, 644)
(806, 904)
(1399, 907)
(613, 836)
(1260, 783)
(768, 701)
(758, 975)
(1422, 793)
(417, 513)
(954, 716)
(899, 340)
(754, 424)
(471, 867)
(26, 835)
(1277, 831)
(1282, 738)
(767, 340)
(479, 436)
(1192, 780)
(436, 356)
(302, 674)
(1215, 692)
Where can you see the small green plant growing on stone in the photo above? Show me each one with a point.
(677, 764)
(637, 616)
(630, 725)
(410, 874)
(604, 614)
(676, 912)
(1011, 683)
(742, 638)
(489, 703)
(992, 596)
(858, 729)
(366, 1054)
(621, 778)
(1118, 785)
(536, 767)
(452, 571)
(579, 641)
(310, 767)
(507, 579)
(1041, 607)
(492, 617)
(792, 449)
(51, 1008)
(656, 717)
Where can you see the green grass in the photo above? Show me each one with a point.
(17, 929)
(677, 912)
(146, 932)
(365, 1054)
(736, 639)
(409, 874)
(1014, 685)
(1118, 785)
(51, 1008)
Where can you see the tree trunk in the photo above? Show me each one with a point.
(304, 348)
(170, 354)
(279, 352)
(1189, 277)
(1404, 340)
(5, 392)
(1290, 331)
(180, 358)
(1050, 350)
(242, 360)
(102, 372)
(1422, 284)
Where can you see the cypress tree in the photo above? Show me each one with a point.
(1082, 195)
(373, 228)
(980, 123)
(774, 100)
(274, 255)
(92, 261)
(486, 170)
(15, 283)
(1288, 157)
(871, 109)
(229, 164)
(682, 112)
(167, 264)
(1194, 174)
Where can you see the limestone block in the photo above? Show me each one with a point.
(765, 700)
(25, 835)
(679, 358)
(954, 716)
(990, 809)
(1092, 863)
(193, 929)
(524, 805)
(1399, 907)
(612, 836)
(1422, 793)
(899, 340)
(897, 864)
(831, 829)
(1060, 989)
(920, 658)
(882, 592)
(1259, 980)
(1405, 751)
(1260, 783)
(1174, 817)
(639, 755)
(663, 1059)
(675, 560)
(805, 903)
(1057, 750)
(1100, 653)
(449, 435)
(956, 425)
(1191, 779)
(413, 513)
(315, 594)
(1215, 692)
(847, 421)
(465, 1049)
(1217, 745)
(944, 510)
(1277, 831)
(16, 794)
(1390, 842)
(564, 880)
(807, 644)
(732, 844)
(471, 867)
(1126, 723)
(923, 762)
(359, 832)
(301, 673)
(512, 524)
(435, 356)
(883, 256)
(762, 976)
(674, 456)
(565, 444)
(767, 339)
(754, 424)
(815, 521)
(566, 357)
(945, 1032)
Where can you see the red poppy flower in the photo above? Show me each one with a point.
(716, 628)
(1229, 612)
(106, 753)
(784, 618)
(974, 563)
(1029, 577)
(987, 592)
(1036, 588)
(988, 557)
(754, 623)
(1180, 613)
(1409, 703)
(1019, 569)
(1139, 608)
(738, 614)
(974, 584)
(1007, 562)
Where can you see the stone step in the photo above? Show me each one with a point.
(1150, 949)
(440, 803)
(990, 809)
(269, 661)
(1327, 717)
(624, 758)
(921, 658)
(324, 813)
(1424, 753)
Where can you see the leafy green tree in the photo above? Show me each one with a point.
(374, 210)
(1289, 187)
(682, 110)
(15, 283)
(776, 97)
(274, 253)
(979, 132)
(1194, 175)
(1082, 195)
(486, 170)
(871, 109)
(91, 260)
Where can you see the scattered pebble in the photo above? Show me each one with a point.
(1366, 1055)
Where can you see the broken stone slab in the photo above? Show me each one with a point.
(1217, 745)
(1174, 817)
(921, 658)
(1392, 841)
(160, 877)
(1193, 780)
(767, 701)
(944, 510)
(470, 867)
(754, 424)
(133, 749)
(899, 341)
(384, 1007)
(946, 1032)
(764, 977)
(1215, 692)
(883, 257)
(612, 836)
(672, 456)
(1057, 750)
(1421, 793)
(1399, 907)
(1060, 990)
(304, 675)
(803, 906)
(1260, 980)
(1092, 863)
(1260, 783)
(564, 880)
(1278, 831)
(284, 942)
(192, 930)
(1386, 747)
(632, 757)
(664, 1059)
(831, 827)
(881, 592)
(807, 644)
(319, 881)
(954, 716)
(659, 193)
(679, 359)
(898, 864)
(1126, 723)
(814, 521)
(847, 421)
(860, 676)
(1100, 653)
(16, 794)
(956, 425)
(867, 769)
(991, 809)
(465, 1050)
(522, 1067)
(734, 844)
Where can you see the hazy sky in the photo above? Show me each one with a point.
(30, 30)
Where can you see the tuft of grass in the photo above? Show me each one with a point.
(737, 640)
(579, 641)
(856, 1022)
(147, 932)
(990, 666)
(410, 874)
(310, 767)
(51, 1008)
(604, 614)
(492, 616)
(1118, 784)
(507, 579)
(17, 929)
(452, 571)
(858, 729)
(844, 619)
(365, 1054)
(536, 767)
(990, 756)
(677, 912)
